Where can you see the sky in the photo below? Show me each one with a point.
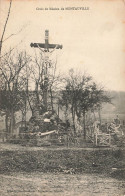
(93, 40)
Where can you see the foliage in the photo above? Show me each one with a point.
(81, 94)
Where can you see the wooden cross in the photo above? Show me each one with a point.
(46, 45)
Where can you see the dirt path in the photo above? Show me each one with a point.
(60, 184)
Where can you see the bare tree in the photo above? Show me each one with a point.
(44, 83)
(5, 26)
(3, 38)
(81, 95)
(12, 86)
(37, 79)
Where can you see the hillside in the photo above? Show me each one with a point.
(118, 103)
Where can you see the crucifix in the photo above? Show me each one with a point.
(46, 49)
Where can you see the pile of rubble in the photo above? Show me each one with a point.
(43, 129)
(44, 123)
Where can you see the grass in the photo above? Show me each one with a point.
(65, 161)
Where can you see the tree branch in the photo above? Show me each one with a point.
(1, 41)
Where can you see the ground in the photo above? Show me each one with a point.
(60, 184)
(33, 171)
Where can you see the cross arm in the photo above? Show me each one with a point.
(49, 46)
(35, 45)
(57, 46)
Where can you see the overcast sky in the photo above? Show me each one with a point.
(93, 40)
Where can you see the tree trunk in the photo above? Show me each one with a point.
(94, 115)
(30, 104)
(51, 95)
(6, 124)
(58, 109)
(37, 93)
(99, 112)
(73, 119)
(84, 124)
(12, 121)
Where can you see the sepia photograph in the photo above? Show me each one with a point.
(62, 98)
